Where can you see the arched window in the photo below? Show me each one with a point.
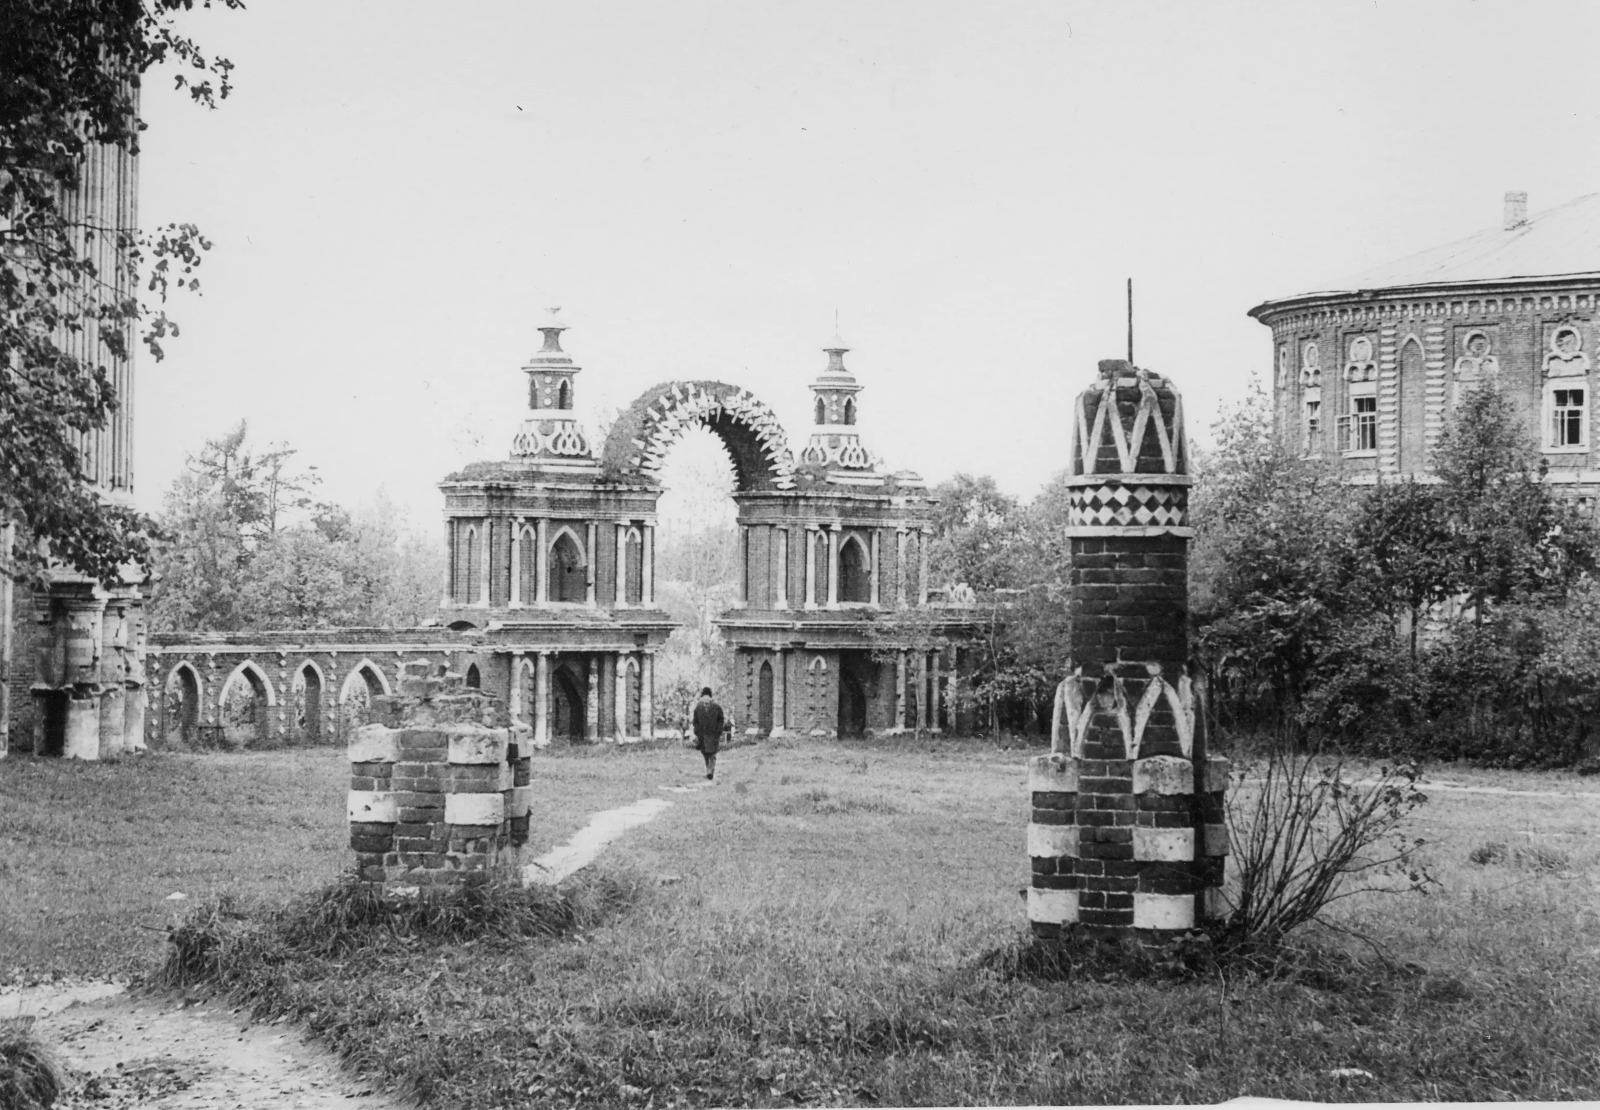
(567, 578)
(474, 679)
(564, 396)
(855, 571)
(181, 726)
(634, 569)
(242, 706)
(822, 411)
(527, 555)
(849, 410)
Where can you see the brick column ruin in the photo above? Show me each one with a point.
(439, 790)
(1127, 833)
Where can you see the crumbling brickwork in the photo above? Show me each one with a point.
(440, 791)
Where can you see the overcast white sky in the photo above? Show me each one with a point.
(396, 188)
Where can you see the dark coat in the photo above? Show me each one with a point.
(708, 726)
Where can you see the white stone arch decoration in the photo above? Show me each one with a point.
(640, 439)
(171, 682)
(1565, 357)
(1311, 363)
(309, 664)
(249, 666)
(1359, 364)
(864, 550)
(567, 529)
(354, 676)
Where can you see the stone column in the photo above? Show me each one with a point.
(922, 565)
(541, 564)
(1126, 834)
(935, 695)
(84, 617)
(900, 568)
(811, 567)
(647, 567)
(922, 691)
(541, 699)
(620, 598)
(647, 699)
(833, 565)
(873, 576)
(515, 601)
(744, 566)
(619, 686)
(449, 595)
(487, 573)
(899, 692)
(591, 702)
(590, 560)
(781, 537)
(780, 691)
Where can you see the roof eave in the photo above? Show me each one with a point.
(1419, 288)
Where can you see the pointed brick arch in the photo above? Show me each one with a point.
(639, 441)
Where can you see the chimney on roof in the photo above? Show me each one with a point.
(1516, 210)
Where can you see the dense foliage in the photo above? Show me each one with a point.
(247, 545)
(1445, 617)
(70, 73)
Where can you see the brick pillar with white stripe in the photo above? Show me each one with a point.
(1126, 833)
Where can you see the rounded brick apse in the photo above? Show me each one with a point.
(1127, 831)
(638, 444)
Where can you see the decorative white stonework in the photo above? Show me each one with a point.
(1163, 774)
(687, 405)
(1566, 358)
(832, 446)
(521, 801)
(1128, 440)
(373, 807)
(1163, 845)
(1052, 841)
(1163, 911)
(1311, 365)
(1116, 505)
(559, 437)
(374, 743)
(474, 809)
(1052, 774)
(1359, 365)
(1053, 907)
(478, 747)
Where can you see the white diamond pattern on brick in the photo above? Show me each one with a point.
(1125, 506)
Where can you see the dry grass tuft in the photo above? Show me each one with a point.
(30, 1078)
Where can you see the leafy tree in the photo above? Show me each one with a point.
(247, 547)
(70, 74)
(1404, 547)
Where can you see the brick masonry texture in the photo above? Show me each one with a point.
(1129, 730)
(443, 741)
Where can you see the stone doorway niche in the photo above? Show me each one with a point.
(854, 675)
(855, 571)
(567, 704)
(306, 701)
(568, 581)
(53, 704)
(181, 708)
(764, 720)
(244, 707)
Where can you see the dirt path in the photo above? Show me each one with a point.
(156, 1051)
(163, 1052)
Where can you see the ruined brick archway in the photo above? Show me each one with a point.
(638, 443)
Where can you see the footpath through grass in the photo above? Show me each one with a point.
(812, 930)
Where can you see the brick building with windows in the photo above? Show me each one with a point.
(1367, 372)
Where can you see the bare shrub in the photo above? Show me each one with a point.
(30, 1078)
(1306, 832)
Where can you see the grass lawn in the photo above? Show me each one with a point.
(819, 940)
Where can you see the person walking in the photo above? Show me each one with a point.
(708, 725)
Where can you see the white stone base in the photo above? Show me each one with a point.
(474, 809)
(373, 806)
(1052, 841)
(1163, 911)
(1053, 907)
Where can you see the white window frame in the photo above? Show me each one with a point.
(1351, 423)
(1311, 423)
(1566, 385)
